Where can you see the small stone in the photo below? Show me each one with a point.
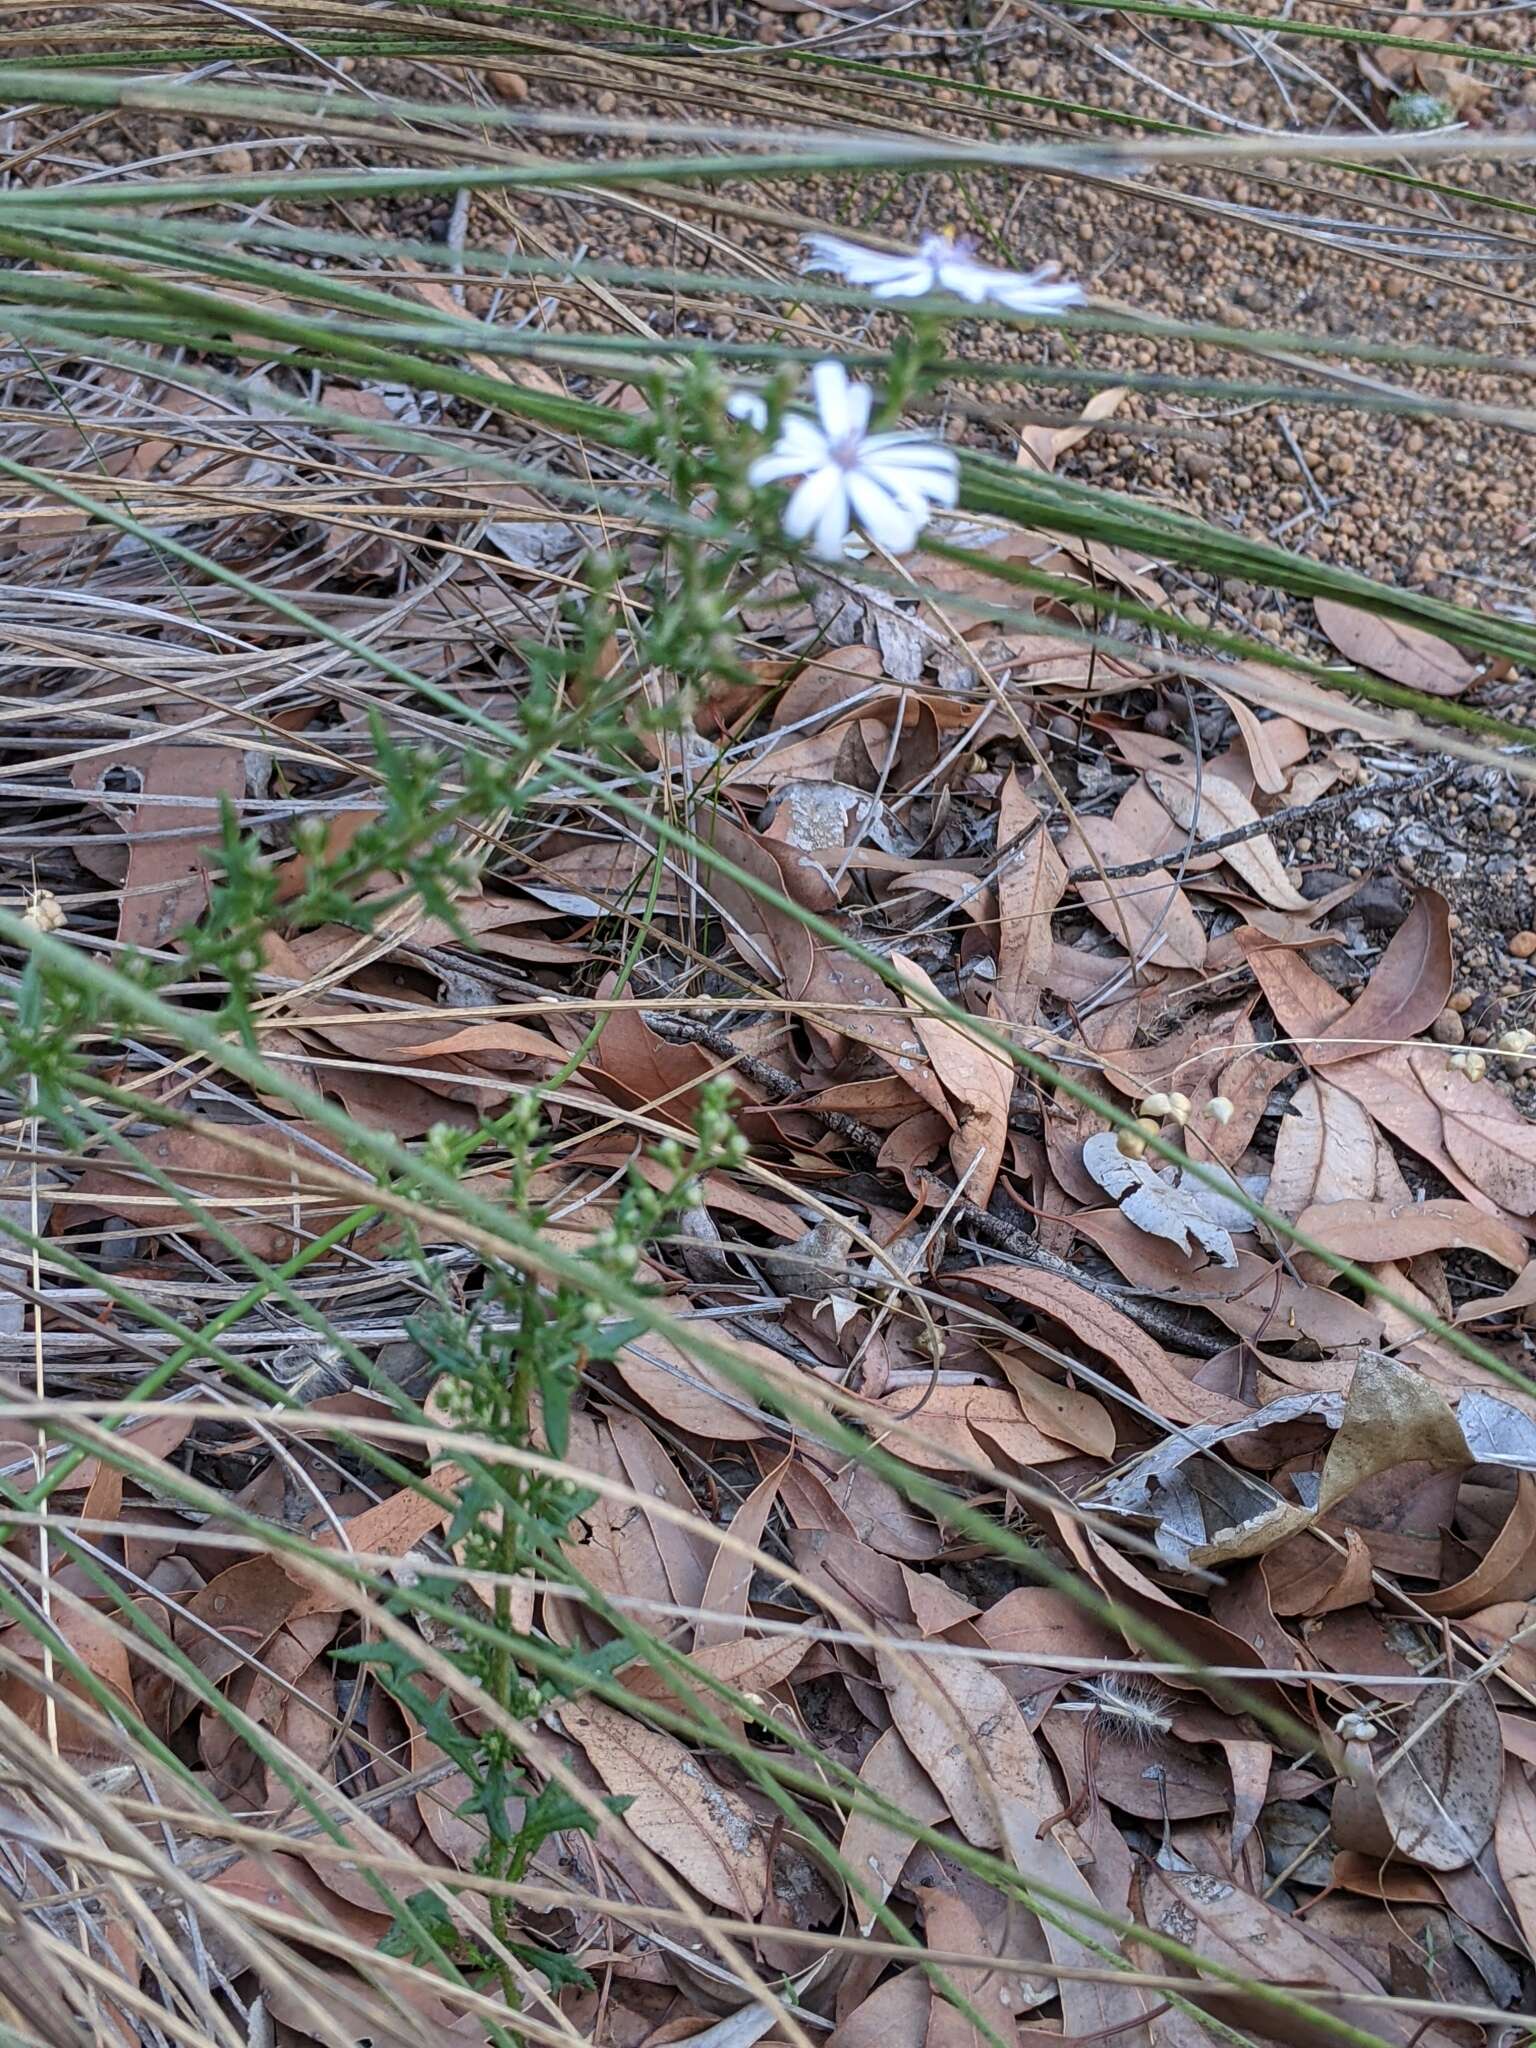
(1370, 820)
(1382, 904)
(1462, 1001)
(1523, 945)
(509, 85)
(1448, 1028)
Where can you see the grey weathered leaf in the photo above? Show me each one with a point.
(1497, 1433)
(1152, 1203)
(1441, 1796)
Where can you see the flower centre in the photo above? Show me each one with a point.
(845, 453)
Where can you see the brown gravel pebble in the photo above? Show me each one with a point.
(1523, 945)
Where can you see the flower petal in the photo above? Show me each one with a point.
(821, 501)
(914, 283)
(921, 470)
(834, 402)
(802, 437)
(858, 265)
(773, 467)
(801, 447)
(888, 521)
(747, 407)
(832, 527)
(967, 280)
(1039, 292)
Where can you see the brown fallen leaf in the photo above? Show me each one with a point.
(1030, 884)
(173, 846)
(1405, 654)
(956, 1426)
(1148, 913)
(1040, 1619)
(1507, 1570)
(1307, 1576)
(689, 1392)
(978, 1081)
(880, 1847)
(1254, 1300)
(1469, 1130)
(751, 1664)
(965, 1729)
(1434, 1782)
(1515, 1844)
(1520, 1294)
(1156, 1378)
(681, 1813)
(250, 1197)
(1228, 1926)
(1373, 1231)
(1091, 2008)
(1409, 986)
(1328, 1152)
(1219, 806)
(728, 1589)
(953, 1928)
(895, 2015)
(1039, 446)
(1059, 1411)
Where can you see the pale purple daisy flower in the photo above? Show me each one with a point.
(942, 264)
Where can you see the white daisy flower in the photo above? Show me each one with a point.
(887, 483)
(942, 264)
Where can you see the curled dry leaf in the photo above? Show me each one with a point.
(1507, 1569)
(1205, 1512)
(1520, 1294)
